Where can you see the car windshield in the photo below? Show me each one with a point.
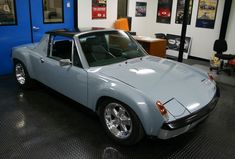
(108, 47)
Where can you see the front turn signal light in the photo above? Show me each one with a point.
(161, 108)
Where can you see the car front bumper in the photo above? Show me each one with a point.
(180, 126)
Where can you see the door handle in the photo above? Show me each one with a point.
(42, 60)
(35, 28)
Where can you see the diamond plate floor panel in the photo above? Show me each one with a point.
(41, 124)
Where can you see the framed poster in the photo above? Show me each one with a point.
(8, 13)
(140, 9)
(164, 11)
(180, 12)
(173, 44)
(206, 14)
(99, 9)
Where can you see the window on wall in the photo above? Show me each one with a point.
(7, 12)
(122, 8)
(53, 11)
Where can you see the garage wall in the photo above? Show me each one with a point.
(231, 30)
(202, 39)
(85, 19)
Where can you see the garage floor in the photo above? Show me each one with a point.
(41, 124)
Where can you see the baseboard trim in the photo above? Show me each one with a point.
(198, 58)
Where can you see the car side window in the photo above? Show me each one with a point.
(61, 48)
(76, 59)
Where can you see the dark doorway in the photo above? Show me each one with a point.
(122, 8)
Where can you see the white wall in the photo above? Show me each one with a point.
(202, 39)
(85, 18)
(230, 36)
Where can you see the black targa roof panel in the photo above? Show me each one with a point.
(71, 33)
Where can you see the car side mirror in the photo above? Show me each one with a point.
(65, 62)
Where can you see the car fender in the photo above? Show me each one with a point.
(144, 108)
(23, 55)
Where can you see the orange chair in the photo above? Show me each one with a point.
(122, 24)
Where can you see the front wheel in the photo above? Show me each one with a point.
(21, 74)
(120, 122)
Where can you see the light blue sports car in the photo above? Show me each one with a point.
(106, 70)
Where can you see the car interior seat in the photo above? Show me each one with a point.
(99, 53)
(96, 49)
(62, 49)
(87, 49)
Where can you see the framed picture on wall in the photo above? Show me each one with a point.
(140, 9)
(8, 13)
(99, 9)
(164, 11)
(173, 44)
(206, 14)
(180, 12)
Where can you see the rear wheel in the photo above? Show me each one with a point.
(21, 74)
(120, 122)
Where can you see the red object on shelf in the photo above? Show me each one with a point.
(231, 62)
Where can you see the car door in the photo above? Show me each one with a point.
(70, 80)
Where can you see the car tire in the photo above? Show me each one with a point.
(22, 76)
(120, 122)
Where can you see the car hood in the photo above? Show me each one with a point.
(165, 80)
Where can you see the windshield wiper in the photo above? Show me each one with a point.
(111, 54)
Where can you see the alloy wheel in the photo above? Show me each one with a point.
(20, 73)
(118, 120)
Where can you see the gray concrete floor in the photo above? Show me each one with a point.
(222, 77)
